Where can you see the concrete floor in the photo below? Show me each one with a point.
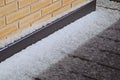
(98, 59)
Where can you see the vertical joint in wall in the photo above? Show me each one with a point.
(17, 5)
(4, 2)
(5, 20)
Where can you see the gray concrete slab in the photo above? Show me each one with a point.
(98, 59)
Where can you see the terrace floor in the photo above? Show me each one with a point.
(98, 59)
(87, 49)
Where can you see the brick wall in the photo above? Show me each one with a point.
(18, 15)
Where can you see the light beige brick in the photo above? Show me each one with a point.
(55, 0)
(18, 31)
(27, 26)
(2, 22)
(40, 4)
(8, 1)
(43, 19)
(61, 10)
(77, 2)
(18, 15)
(30, 18)
(8, 29)
(1, 3)
(2, 39)
(51, 8)
(8, 9)
(23, 3)
(65, 2)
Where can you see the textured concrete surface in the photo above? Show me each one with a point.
(109, 4)
(98, 59)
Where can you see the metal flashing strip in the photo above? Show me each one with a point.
(50, 28)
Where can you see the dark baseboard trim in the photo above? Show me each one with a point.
(30, 39)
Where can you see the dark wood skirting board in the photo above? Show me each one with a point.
(50, 28)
